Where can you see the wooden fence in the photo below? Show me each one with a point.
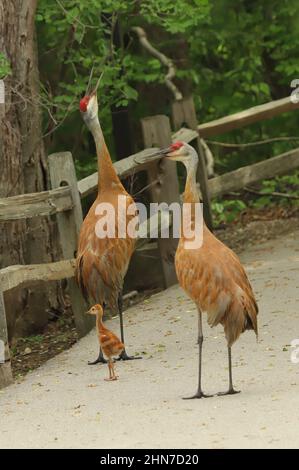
(64, 199)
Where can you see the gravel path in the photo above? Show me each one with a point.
(66, 403)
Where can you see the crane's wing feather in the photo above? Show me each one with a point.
(102, 263)
(215, 279)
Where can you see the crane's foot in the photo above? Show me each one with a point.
(231, 391)
(124, 357)
(100, 360)
(198, 395)
(110, 379)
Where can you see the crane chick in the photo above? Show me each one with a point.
(109, 342)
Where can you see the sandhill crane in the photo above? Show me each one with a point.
(212, 274)
(102, 263)
(109, 342)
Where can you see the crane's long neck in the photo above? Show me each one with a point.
(191, 191)
(107, 174)
(191, 194)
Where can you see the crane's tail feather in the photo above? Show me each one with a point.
(80, 277)
(239, 318)
(93, 284)
(251, 319)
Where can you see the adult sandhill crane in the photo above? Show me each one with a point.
(212, 274)
(102, 263)
(109, 342)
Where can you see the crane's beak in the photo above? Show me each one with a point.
(149, 155)
(94, 91)
(161, 152)
(88, 88)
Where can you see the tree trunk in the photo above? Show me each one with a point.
(24, 168)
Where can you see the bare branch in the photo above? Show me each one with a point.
(250, 144)
(163, 59)
(274, 193)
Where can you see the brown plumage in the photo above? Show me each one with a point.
(102, 263)
(214, 278)
(212, 274)
(109, 342)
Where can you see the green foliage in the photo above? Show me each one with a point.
(175, 16)
(4, 66)
(76, 38)
(245, 54)
(86, 168)
(287, 184)
(32, 339)
(232, 54)
(227, 210)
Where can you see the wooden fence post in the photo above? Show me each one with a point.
(183, 113)
(157, 133)
(5, 364)
(62, 173)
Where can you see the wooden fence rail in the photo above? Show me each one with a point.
(27, 206)
(64, 199)
(16, 275)
(249, 116)
(238, 179)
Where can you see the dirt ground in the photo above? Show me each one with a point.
(66, 403)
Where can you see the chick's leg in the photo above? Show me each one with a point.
(112, 375)
(108, 379)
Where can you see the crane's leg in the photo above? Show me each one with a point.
(123, 356)
(199, 393)
(99, 359)
(231, 390)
